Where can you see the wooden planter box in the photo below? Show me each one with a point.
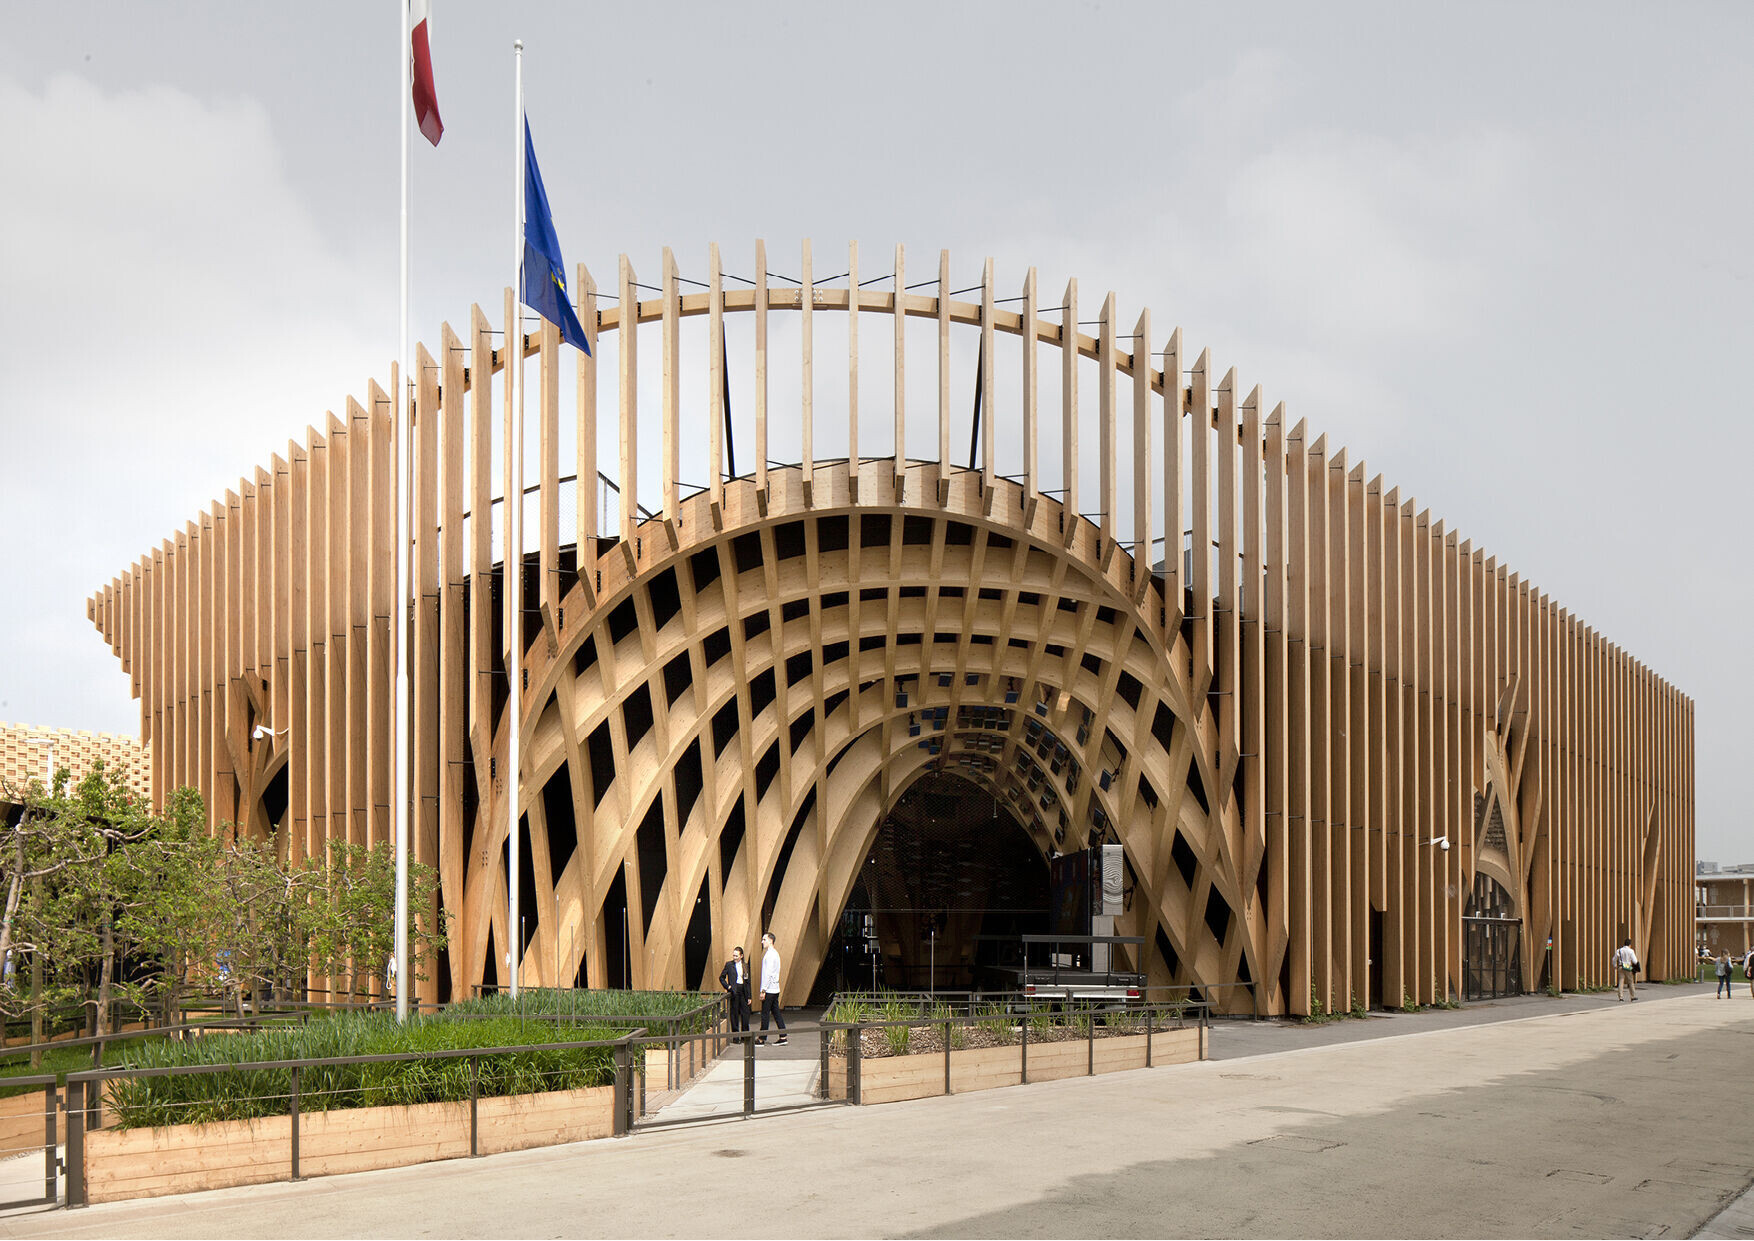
(890, 1079)
(177, 1159)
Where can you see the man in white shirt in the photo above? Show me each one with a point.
(770, 988)
(1627, 960)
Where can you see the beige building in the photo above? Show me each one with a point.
(26, 753)
(1352, 757)
(1725, 909)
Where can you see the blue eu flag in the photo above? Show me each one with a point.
(544, 288)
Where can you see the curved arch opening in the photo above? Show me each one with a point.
(950, 881)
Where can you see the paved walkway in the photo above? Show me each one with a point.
(781, 1081)
(1577, 1117)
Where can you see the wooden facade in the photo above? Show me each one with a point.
(726, 694)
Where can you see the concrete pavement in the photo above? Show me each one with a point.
(1578, 1117)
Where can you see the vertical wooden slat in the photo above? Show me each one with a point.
(298, 649)
(315, 570)
(807, 389)
(715, 380)
(484, 659)
(1340, 569)
(455, 679)
(1225, 631)
(1321, 729)
(338, 570)
(1200, 497)
(1105, 436)
(1142, 458)
(900, 326)
(672, 390)
(761, 374)
(1069, 410)
(627, 353)
(853, 369)
(1300, 887)
(1251, 683)
(989, 402)
(1359, 738)
(424, 735)
(548, 486)
(381, 587)
(1421, 625)
(1174, 395)
(359, 583)
(943, 373)
(1030, 395)
(1276, 689)
(585, 490)
(1395, 824)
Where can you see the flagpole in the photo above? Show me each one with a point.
(514, 526)
(399, 626)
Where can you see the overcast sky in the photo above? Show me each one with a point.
(1501, 252)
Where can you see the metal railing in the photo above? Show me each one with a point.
(1157, 1017)
(1163, 994)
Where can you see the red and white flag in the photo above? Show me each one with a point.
(426, 112)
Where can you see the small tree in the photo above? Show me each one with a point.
(65, 885)
(114, 899)
(167, 898)
(271, 917)
(361, 932)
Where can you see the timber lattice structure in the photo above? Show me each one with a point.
(726, 695)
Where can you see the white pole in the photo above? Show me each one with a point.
(514, 533)
(399, 625)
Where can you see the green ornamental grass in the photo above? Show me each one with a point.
(693, 1011)
(242, 1094)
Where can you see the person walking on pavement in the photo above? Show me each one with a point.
(1724, 978)
(1627, 961)
(770, 988)
(734, 978)
(1748, 970)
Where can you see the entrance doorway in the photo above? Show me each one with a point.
(950, 883)
(1492, 943)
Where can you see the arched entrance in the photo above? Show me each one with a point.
(1492, 938)
(717, 748)
(951, 877)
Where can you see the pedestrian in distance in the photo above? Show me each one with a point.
(1626, 961)
(1748, 970)
(734, 978)
(1725, 979)
(770, 989)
